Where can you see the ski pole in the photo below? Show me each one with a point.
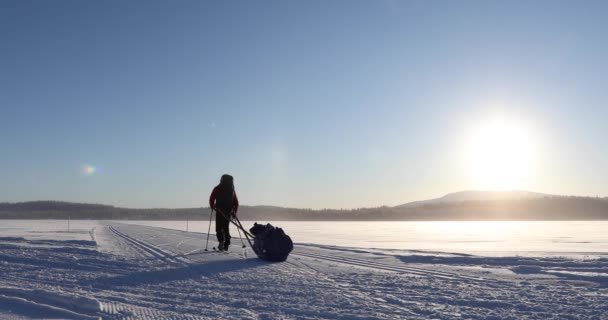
(238, 224)
(242, 242)
(209, 230)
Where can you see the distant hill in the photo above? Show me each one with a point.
(477, 195)
(464, 205)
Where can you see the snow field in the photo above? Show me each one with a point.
(111, 270)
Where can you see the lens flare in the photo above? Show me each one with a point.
(88, 170)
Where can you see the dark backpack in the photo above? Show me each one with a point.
(225, 197)
(270, 243)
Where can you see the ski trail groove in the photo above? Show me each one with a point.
(154, 251)
(387, 267)
(143, 250)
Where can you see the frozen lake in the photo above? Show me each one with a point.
(495, 238)
(112, 270)
(488, 238)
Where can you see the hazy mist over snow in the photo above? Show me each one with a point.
(465, 205)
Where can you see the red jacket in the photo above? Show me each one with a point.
(214, 194)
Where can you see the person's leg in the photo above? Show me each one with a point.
(226, 235)
(219, 230)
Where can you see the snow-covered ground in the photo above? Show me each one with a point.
(486, 238)
(113, 270)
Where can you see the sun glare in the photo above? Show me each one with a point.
(500, 156)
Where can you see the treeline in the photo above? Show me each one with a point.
(65, 210)
(547, 208)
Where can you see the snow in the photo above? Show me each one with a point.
(485, 238)
(47, 303)
(113, 270)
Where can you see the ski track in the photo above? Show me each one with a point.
(387, 267)
(155, 273)
(153, 250)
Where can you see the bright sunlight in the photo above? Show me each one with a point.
(500, 155)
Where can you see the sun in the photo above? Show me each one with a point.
(500, 155)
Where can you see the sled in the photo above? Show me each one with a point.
(269, 243)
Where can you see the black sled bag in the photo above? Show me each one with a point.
(270, 243)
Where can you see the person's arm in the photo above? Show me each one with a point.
(212, 198)
(236, 203)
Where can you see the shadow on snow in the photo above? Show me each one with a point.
(191, 271)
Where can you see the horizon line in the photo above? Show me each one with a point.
(308, 208)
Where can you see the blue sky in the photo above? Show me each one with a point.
(316, 104)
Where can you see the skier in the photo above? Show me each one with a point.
(223, 199)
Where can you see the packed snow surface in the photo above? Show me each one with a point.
(112, 270)
(486, 238)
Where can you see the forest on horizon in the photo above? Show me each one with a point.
(546, 208)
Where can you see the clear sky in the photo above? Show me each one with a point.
(336, 104)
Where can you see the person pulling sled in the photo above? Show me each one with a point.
(224, 201)
(269, 243)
